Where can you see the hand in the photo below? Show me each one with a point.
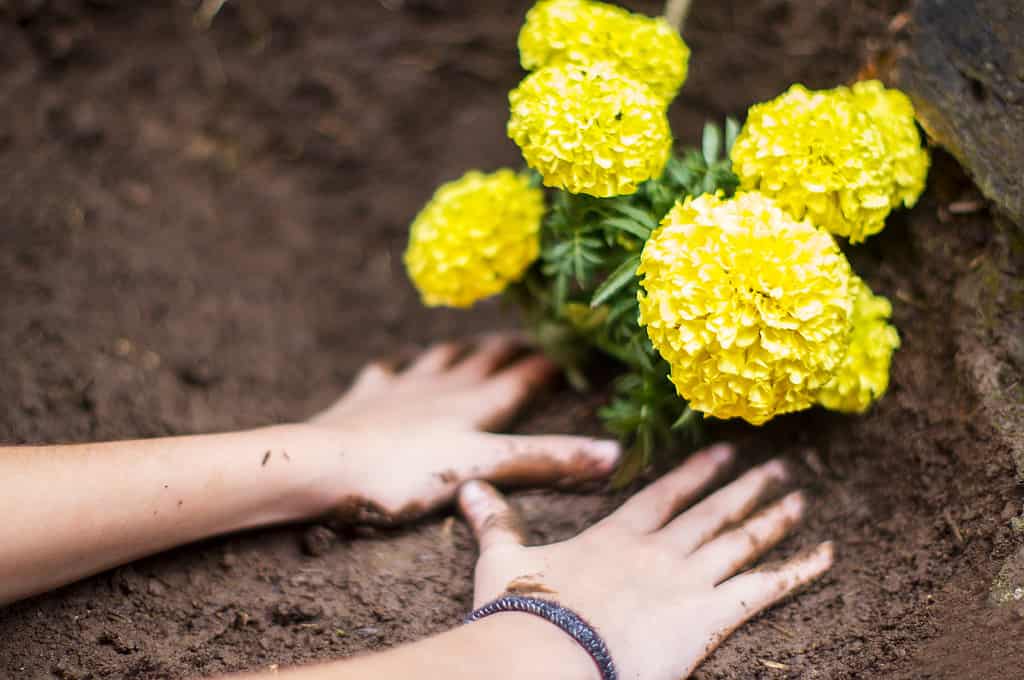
(409, 438)
(662, 591)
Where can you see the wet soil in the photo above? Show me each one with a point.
(201, 229)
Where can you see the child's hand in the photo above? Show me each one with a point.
(662, 591)
(406, 440)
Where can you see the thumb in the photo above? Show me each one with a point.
(547, 459)
(493, 520)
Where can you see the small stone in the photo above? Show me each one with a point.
(1009, 511)
(286, 613)
(367, 631)
(199, 373)
(120, 644)
(318, 540)
(228, 561)
(241, 620)
(156, 588)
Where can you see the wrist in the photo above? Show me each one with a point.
(541, 649)
(306, 461)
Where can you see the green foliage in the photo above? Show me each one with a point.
(580, 298)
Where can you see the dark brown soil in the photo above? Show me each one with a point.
(201, 229)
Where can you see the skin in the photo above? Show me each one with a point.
(683, 589)
(397, 445)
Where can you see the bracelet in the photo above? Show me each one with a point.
(580, 631)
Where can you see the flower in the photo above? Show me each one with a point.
(643, 48)
(589, 129)
(750, 307)
(863, 376)
(841, 158)
(893, 113)
(475, 236)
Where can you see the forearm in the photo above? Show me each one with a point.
(508, 646)
(72, 511)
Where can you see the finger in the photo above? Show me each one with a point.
(548, 459)
(492, 519)
(499, 399)
(493, 352)
(436, 359)
(374, 375)
(651, 508)
(743, 597)
(726, 506)
(726, 555)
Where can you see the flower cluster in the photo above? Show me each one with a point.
(588, 129)
(714, 274)
(863, 377)
(843, 158)
(591, 118)
(642, 48)
(750, 307)
(475, 236)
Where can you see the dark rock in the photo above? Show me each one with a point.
(199, 374)
(120, 644)
(286, 613)
(964, 71)
(318, 540)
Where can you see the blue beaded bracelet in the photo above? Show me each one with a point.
(580, 631)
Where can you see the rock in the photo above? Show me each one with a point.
(155, 588)
(1008, 587)
(318, 540)
(121, 644)
(286, 613)
(964, 71)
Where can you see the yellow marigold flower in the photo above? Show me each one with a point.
(750, 307)
(823, 155)
(589, 129)
(863, 376)
(893, 113)
(475, 236)
(644, 48)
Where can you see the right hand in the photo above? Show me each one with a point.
(662, 590)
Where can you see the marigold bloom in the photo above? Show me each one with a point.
(589, 129)
(750, 307)
(893, 113)
(863, 376)
(475, 236)
(643, 48)
(841, 159)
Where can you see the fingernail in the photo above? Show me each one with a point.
(607, 449)
(796, 502)
(777, 468)
(472, 493)
(721, 453)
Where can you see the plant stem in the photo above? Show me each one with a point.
(676, 11)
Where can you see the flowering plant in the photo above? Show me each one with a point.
(712, 275)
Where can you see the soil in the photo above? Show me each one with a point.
(202, 229)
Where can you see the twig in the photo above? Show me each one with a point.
(676, 11)
(207, 11)
(948, 516)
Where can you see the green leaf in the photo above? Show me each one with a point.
(622, 275)
(686, 419)
(629, 226)
(732, 131)
(711, 143)
(642, 216)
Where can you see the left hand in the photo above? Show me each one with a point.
(409, 438)
(662, 589)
